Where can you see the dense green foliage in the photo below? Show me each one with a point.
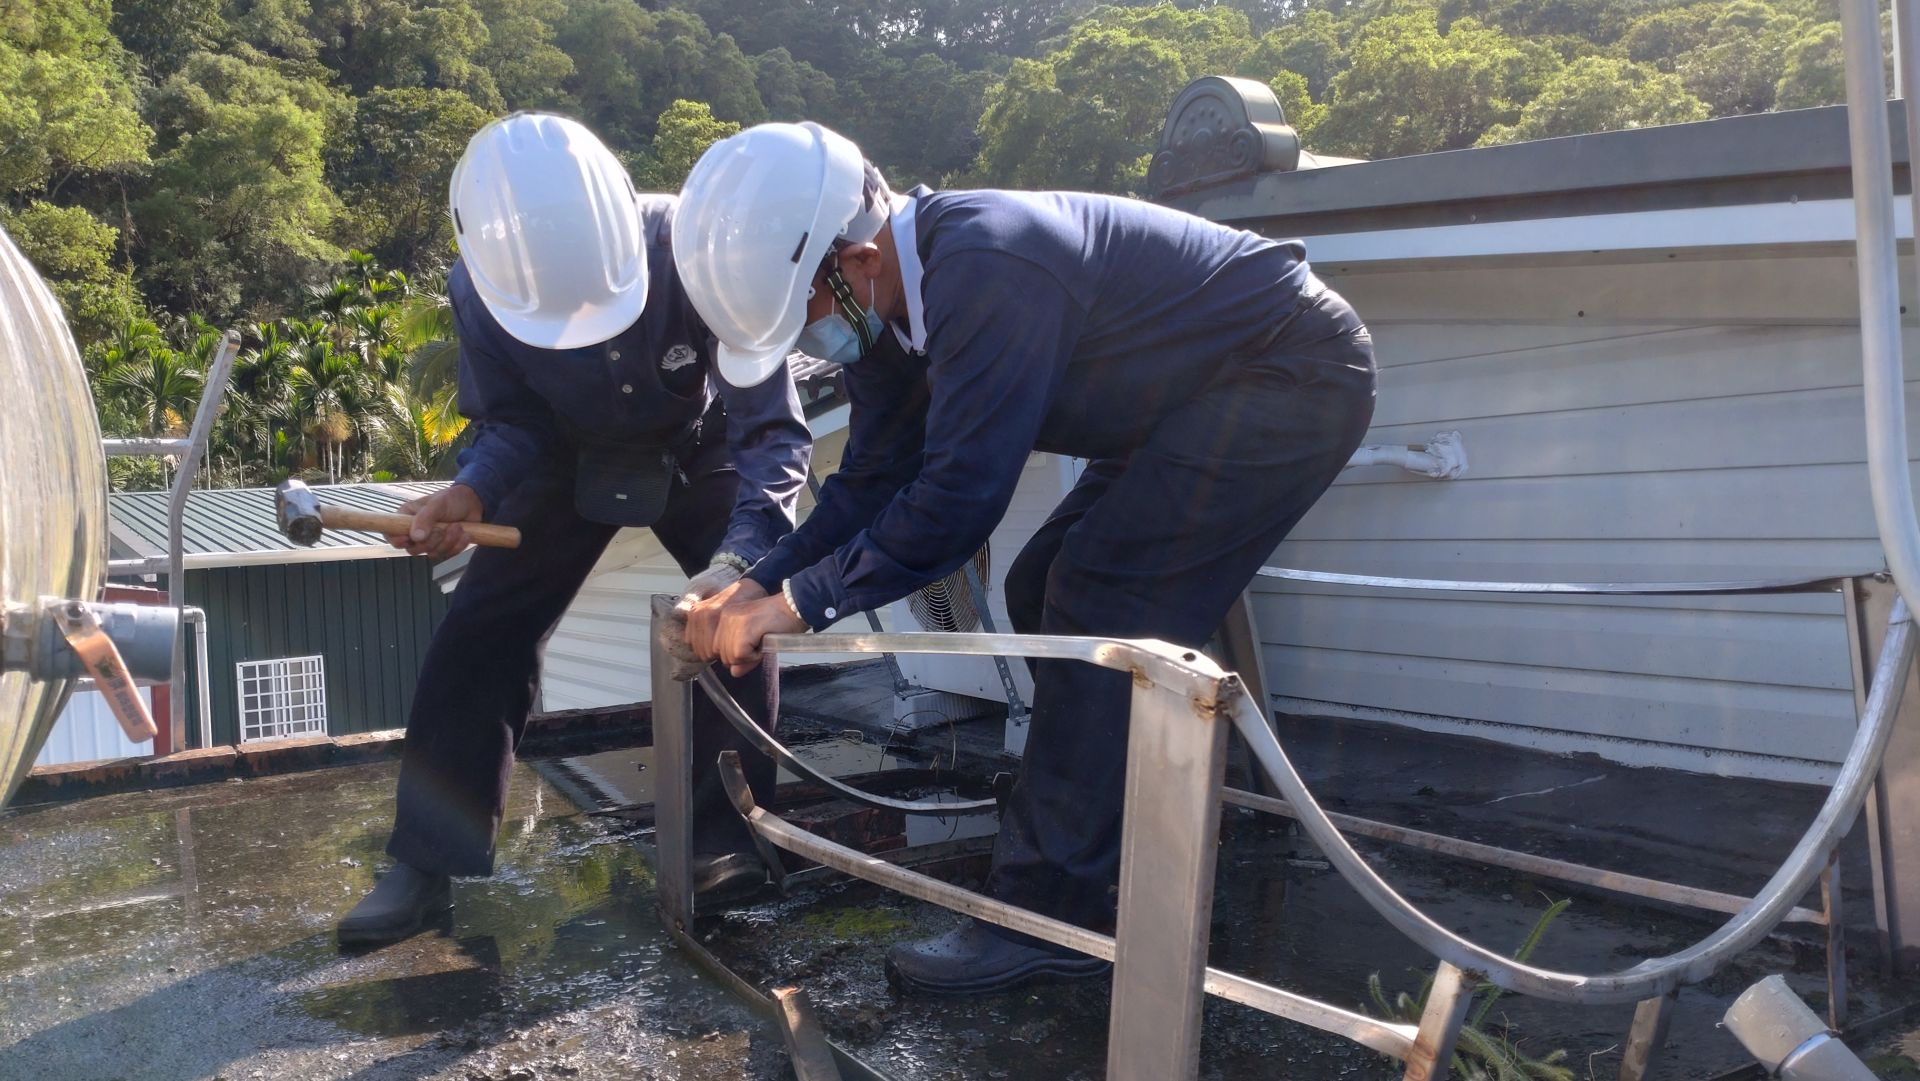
(178, 165)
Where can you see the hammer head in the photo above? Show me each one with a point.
(298, 511)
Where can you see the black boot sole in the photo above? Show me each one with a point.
(381, 936)
(1039, 970)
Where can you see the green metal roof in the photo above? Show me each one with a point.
(226, 527)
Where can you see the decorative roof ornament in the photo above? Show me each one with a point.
(1221, 128)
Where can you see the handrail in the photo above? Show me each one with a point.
(1158, 661)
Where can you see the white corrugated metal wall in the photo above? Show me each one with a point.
(1628, 418)
(598, 655)
(87, 732)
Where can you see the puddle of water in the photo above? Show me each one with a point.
(186, 934)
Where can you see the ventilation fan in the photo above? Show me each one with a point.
(947, 605)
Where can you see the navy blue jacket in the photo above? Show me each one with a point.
(1054, 321)
(648, 384)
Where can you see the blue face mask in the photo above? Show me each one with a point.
(845, 334)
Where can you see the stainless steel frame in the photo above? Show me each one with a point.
(1181, 705)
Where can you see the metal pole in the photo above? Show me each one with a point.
(1016, 709)
(1836, 944)
(211, 391)
(672, 779)
(197, 618)
(1169, 841)
(1546, 867)
(1879, 275)
(1859, 634)
(1893, 812)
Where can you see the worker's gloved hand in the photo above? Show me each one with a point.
(436, 528)
(705, 585)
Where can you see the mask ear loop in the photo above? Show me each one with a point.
(850, 309)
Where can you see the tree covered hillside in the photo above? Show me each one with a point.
(176, 165)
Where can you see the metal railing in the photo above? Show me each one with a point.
(1182, 705)
(189, 451)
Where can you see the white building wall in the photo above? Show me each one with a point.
(87, 732)
(599, 654)
(1628, 418)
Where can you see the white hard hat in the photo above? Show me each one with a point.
(549, 227)
(759, 213)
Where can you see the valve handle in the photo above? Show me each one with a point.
(101, 658)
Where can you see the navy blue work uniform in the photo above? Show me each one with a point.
(1215, 385)
(736, 471)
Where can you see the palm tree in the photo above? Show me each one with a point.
(331, 401)
(411, 442)
(158, 386)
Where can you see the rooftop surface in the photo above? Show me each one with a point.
(186, 934)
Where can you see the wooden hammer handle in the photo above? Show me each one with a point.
(491, 536)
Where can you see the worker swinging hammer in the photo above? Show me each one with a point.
(586, 375)
(1214, 384)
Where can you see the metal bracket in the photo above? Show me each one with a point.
(1017, 711)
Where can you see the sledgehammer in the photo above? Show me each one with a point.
(302, 516)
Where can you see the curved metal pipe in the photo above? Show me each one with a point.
(1649, 979)
(1828, 584)
(1883, 377)
(768, 745)
(1655, 976)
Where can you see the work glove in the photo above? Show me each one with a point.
(703, 585)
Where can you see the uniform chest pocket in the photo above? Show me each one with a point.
(623, 485)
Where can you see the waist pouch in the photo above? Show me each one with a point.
(626, 483)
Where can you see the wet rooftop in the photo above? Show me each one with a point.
(186, 934)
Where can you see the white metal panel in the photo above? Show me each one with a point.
(87, 732)
(1685, 420)
(598, 654)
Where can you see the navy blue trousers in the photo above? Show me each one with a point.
(481, 676)
(1158, 545)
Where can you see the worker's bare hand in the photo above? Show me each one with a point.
(686, 663)
(745, 624)
(703, 617)
(436, 528)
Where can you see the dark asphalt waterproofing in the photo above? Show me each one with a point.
(186, 934)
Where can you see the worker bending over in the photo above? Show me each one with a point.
(1215, 384)
(587, 376)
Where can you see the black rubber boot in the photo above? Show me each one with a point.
(399, 903)
(973, 960)
(732, 876)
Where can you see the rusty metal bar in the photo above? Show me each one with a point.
(1830, 900)
(1527, 863)
(672, 779)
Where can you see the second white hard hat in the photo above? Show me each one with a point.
(549, 228)
(759, 213)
